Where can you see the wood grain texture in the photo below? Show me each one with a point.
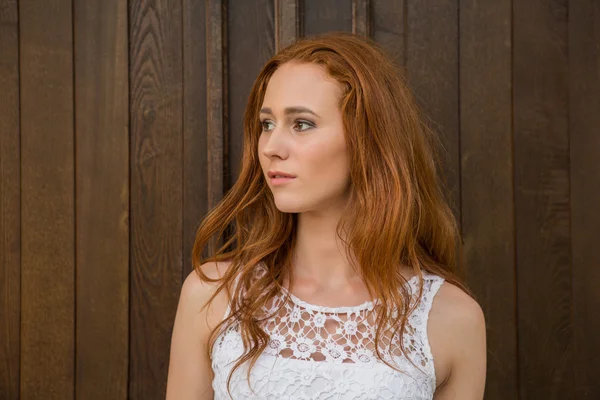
(389, 28)
(102, 193)
(584, 128)
(156, 189)
(216, 112)
(541, 146)
(432, 70)
(487, 181)
(10, 202)
(47, 200)
(251, 45)
(361, 17)
(287, 23)
(321, 16)
(195, 155)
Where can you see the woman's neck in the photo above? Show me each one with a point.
(318, 253)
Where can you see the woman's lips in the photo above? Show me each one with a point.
(280, 180)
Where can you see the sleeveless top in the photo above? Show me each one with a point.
(318, 352)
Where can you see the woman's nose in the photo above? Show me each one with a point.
(276, 144)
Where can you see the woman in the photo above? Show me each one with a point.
(338, 281)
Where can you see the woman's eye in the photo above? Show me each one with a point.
(267, 125)
(303, 125)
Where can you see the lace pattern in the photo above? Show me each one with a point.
(318, 352)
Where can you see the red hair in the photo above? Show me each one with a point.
(397, 214)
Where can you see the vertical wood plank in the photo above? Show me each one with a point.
(287, 23)
(250, 45)
(487, 181)
(156, 189)
(217, 100)
(321, 16)
(195, 171)
(10, 202)
(389, 27)
(541, 145)
(584, 128)
(432, 70)
(47, 200)
(102, 192)
(361, 17)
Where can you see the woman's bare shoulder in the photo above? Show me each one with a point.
(190, 372)
(457, 334)
(196, 292)
(452, 302)
(194, 286)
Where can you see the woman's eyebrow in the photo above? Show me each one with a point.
(290, 110)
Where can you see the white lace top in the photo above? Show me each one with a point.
(318, 352)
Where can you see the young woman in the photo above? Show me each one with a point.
(338, 281)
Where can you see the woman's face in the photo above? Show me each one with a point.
(303, 136)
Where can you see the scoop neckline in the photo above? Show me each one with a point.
(367, 305)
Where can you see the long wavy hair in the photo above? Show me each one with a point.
(397, 213)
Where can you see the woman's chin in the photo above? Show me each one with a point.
(288, 206)
(288, 209)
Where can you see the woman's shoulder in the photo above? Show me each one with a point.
(455, 308)
(212, 269)
(189, 364)
(449, 301)
(195, 287)
(196, 292)
(456, 330)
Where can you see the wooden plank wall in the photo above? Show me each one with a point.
(102, 199)
(47, 199)
(121, 125)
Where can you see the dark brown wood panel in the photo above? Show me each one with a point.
(156, 190)
(102, 193)
(321, 16)
(216, 67)
(389, 27)
(361, 17)
(541, 145)
(287, 23)
(10, 202)
(250, 44)
(47, 200)
(432, 70)
(487, 181)
(195, 157)
(584, 128)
